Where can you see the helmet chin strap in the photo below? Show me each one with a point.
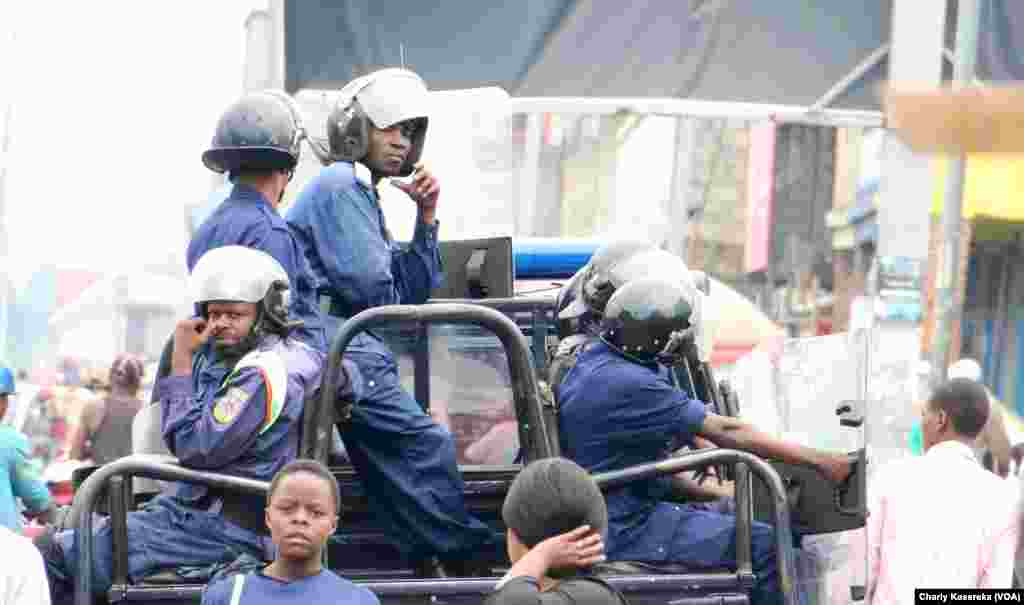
(630, 356)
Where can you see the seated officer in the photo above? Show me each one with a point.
(232, 404)
(580, 306)
(619, 408)
(580, 302)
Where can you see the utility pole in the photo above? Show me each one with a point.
(949, 303)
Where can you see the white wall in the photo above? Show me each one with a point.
(469, 206)
(93, 339)
(643, 182)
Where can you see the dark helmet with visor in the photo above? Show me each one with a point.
(649, 318)
(614, 265)
(261, 131)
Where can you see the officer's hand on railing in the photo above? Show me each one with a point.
(837, 467)
(708, 472)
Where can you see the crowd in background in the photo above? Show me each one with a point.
(57, 403)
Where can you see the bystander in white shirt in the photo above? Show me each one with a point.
(939, 521)
(22, 576)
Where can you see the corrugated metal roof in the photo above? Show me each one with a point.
(786, 52)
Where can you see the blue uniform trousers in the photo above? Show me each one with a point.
(696, 536)
(708, 538)
(407, 463)
(164, 535)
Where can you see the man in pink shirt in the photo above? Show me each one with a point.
(940, 520)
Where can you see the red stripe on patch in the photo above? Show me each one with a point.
(270, 398)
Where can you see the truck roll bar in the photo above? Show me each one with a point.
(541, 310)
(165, 468)
(535, 438)
(763, 470)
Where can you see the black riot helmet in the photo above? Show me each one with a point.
(570, 303)
(618, 263)
(567, 294)
(648, 318)
(382, 99)
(261, 131)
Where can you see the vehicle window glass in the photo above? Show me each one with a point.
(470, 389)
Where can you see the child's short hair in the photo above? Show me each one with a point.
(967, 404)
(552, 496)
(307, 465)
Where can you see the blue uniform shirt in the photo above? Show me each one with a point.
(259, 589)
(242, 421)
(247, 219)
(617, 413)
(340, 226)
(228, 422)
(18, 479)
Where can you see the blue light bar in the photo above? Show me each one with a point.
(550, 258)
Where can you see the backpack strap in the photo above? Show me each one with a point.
(564, 359)
(582, 591)
(236, 591)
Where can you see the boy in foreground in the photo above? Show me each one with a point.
(302, 513)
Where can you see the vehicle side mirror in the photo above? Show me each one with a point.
(850, 414)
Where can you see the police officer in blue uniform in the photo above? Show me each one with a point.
(580, 305)
(618, 408)
(581, 301)
(576, 315)
(257, 143)
(406, 459)
(231, 405)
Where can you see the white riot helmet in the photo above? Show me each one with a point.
(240, 274)
(381, 99)
(965, 368)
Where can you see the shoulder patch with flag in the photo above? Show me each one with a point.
(228, 407)
(272, 369)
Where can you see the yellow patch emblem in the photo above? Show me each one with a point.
(227, 407)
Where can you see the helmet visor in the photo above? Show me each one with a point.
(394, 97)
(234, 273)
